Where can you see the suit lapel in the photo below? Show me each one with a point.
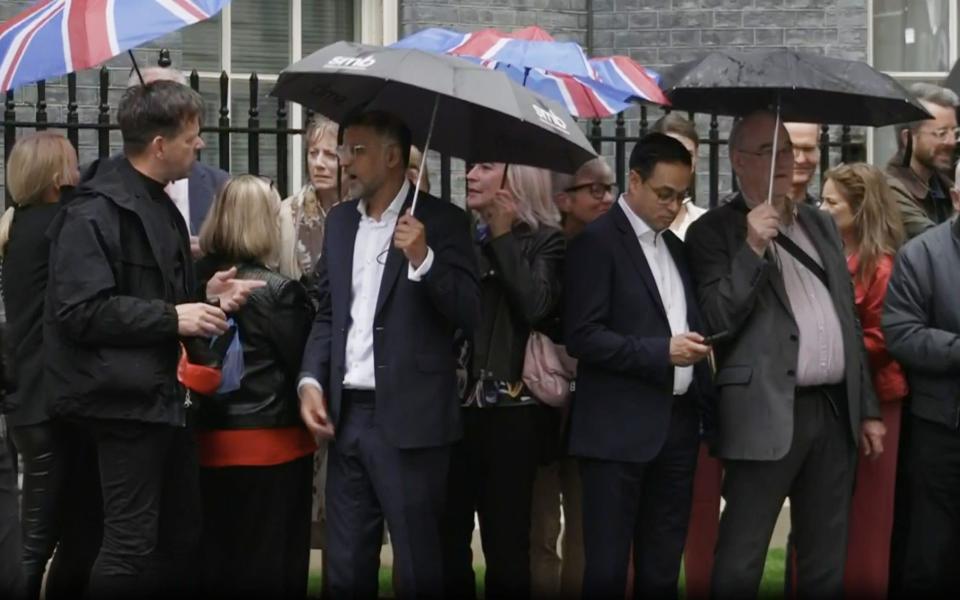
(631, 244)
(341, 271)
(675, 246)
(395, 261)
(823, 244)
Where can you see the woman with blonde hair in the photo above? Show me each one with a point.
(520, 251)
(862, 204)
(256, 456)
(303, 216)
(42, 169)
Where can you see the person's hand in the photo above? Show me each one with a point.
(411, 237)
(195, 250)
(201, 320)
(500, 214)
(762, 224)
(687, 349)
(871, 437)
(313, 411)
(232, 293)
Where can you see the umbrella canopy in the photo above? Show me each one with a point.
(805, 87)
(56, 37)
(480, 115)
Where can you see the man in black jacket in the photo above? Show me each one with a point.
(632, 320)
(921, 322)
(121, 294)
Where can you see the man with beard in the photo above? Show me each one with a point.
(791, 406)
(924, 160)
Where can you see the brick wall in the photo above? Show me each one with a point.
(660, 33)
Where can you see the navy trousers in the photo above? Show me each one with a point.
(369, 481)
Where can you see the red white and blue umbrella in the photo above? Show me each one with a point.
(558, 70)
(55, 37)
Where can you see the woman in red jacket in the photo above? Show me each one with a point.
(860, 202)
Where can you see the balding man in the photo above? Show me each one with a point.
(804, 138)
(193, 194)
(791, 407)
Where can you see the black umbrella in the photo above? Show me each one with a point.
(798, 86)
(807, 87)
(480, 115)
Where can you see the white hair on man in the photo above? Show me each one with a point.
(151, 74)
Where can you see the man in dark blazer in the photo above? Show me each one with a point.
(631, 320)
(379, 372)
(794, 392)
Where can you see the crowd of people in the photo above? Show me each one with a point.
(580, 371)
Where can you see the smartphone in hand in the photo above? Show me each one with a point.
(713, 339)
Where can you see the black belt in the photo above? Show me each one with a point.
(359, 396)
(832, 392)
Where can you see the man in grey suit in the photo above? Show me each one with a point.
(792, 377)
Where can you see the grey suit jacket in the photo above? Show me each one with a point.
(204, 184)
(744, 294)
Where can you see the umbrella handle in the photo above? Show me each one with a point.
(423, 156)
(774, 153)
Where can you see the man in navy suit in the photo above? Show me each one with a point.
(379, 371)
(631, 320)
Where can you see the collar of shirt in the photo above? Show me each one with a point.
(640, 227)
(393, 211)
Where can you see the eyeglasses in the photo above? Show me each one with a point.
(667, 195)
(597, 190)
(347, 153)
(943, 134)
(767, 152)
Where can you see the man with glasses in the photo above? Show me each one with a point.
(378, 376)
(923, 163)
(791, 405)
(632, 320)
(804, 137)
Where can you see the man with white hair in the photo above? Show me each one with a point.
(194, 194)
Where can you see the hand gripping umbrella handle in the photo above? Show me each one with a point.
(423, 155)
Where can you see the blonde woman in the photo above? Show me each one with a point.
(520, 250)
(303, 216)
(863, 206)
(42, 168)
(256, 456)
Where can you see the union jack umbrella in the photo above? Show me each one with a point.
(55, 37)
(559, 70)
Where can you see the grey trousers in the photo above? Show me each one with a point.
(817, 474)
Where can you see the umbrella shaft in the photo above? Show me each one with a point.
(423, 155)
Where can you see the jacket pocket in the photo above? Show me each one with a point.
(734, 376)
(435, 363)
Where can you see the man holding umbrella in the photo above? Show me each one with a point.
(378, 374)
(792, 408)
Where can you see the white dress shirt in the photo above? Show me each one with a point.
(179, 192)
(374, 240)
(669, 284)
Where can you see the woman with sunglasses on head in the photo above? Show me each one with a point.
(303, 216)
(520, 251)
(864, 208)
(256, 456)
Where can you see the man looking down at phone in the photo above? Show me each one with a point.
(794, 397)
(631, 319)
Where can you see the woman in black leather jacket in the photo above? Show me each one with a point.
(520, 251)
(256, 456)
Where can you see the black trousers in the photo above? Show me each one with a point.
(817, 474)
(256, 530)
(61, 507)
(643, 504)
(492, 473)
(368, 480)
(11, 566)
(151, 505)
(932, 533)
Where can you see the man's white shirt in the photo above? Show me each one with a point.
(669, 284)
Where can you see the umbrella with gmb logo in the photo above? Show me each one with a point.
(449, 104)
